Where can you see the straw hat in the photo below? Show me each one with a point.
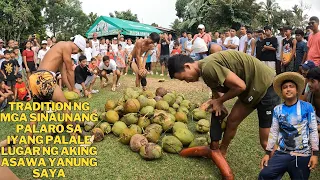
(288, 76)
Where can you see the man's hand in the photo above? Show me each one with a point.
(27, 69)
(5, 77)
(210, 104)
(313, 162)
(86, 93)
(264, 161)
(76, 91)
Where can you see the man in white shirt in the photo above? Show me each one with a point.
(128, 49)
(103, 46)
(233, 41)
(243, 38)
(95, 45)
(279, 37)
(42, 52)
(88, 52)
(114, 45)
(106, 67)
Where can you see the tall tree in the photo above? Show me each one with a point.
(155, 25)
(270, 8)
(126, 15)
(181, 7)
(92, 17)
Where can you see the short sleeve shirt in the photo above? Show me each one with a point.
(232, 40)
(257, 76)
(314, 48)
(112, 66)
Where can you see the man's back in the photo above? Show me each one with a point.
(54, 57)
(257, 76)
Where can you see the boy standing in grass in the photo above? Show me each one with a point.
(294, 126)
(9, 70)
(21, 92)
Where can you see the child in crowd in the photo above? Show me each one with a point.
(110, 52)
(9, 70)
(18, 57)
(148, 61)
(301, 50)
(99, 59)
(88, 52)
(13, 57)
(93, 66)
(121, 58)
(294, 126)
(22, 92)
(5, 95)
(176, 49)
(42, 52)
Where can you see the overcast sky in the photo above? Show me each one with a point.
(163, 12)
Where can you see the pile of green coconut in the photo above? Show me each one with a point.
(151, 123)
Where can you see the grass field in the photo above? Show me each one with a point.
(117, 161)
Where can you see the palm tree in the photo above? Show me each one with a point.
(270, 8)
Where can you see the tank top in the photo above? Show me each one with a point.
(249, 48)
(103, 49)
(95, 48)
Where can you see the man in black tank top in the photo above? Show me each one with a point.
(288, 51)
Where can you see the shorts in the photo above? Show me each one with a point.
(10, 82)
(25, 98)
(42, 85)
(288, 68)
(87, 82)
(271, 64)
(107, 71)
(164, 59)
(266, 106)
(31, 66)
(3, 104)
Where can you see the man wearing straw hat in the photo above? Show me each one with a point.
(294, 126)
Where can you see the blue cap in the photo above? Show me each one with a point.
(309, 64)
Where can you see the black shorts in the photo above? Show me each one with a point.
(266, 106)
(31, 66)
(10, 82)
(107, 71)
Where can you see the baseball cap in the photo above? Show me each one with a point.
(44, 42)
(121, 36)
(308, 65)
(201, 26)
(80, 42)
(314, 73)
(115, 38)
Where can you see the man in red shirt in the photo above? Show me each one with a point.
(314, 41)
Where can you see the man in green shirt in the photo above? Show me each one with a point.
(231, 74)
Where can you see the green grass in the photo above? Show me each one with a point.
(117, 161)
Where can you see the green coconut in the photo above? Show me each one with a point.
(156, 127)
(184, 135)
(159, 116)
(169, 98)
(178, 125)
(161, 91)
(203, 126)
(198, 114)
(88, 125)
(131, 118)
(119, 109)
(136, 128)
(105, 127)
(162, 105)
(137, 141)
(179, 99)
(158, 98)
(172, 111)
(149, 94)
(181, 117)
(121, 101)
(185, 103)
(143, 122)
(118, 127)
(143, 101)
(175, 106)
(172, 117)
(171, 144)
(200, 141)
(152, 135)
(126, 135)
(148, 111)
(112, 116)
(151, 151)
(167, 124)
(109, 105)
(152, 102)
(131, 94)
(98, 134)
(102, 116)
(193, 106)
(183, 109)
(132, 106)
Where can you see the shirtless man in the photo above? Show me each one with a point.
(138, 66)
(43, 83)
(313, 96)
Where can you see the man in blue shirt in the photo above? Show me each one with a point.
(301, 49)
(183, 41)
(294, 129)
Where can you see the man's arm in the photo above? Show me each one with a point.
(281, 52)
(69, 68)
(313, 130)
(305, 50)
(235, 45)
(294, 42)
(15, 94)
(273, 134)
(253, 46)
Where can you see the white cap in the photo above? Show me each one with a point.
(44, 42)
(80, 42)
(201, 26)
(115, 38)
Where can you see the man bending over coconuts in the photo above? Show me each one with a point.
(235, 74)
(138, 63)
(43, 83)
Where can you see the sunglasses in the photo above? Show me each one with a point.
(311, 23)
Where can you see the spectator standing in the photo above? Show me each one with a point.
(259, 44)
(288, 51)
(95, 45)
(301, 50)
(9, 70)
(243, 39)
(183, 40)
(233, 41)
(88, 52)
(42, 52)
(269, 50)
(314, 41)
(164, 52)
(103, 47)
(250, 45)
(29, 63)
